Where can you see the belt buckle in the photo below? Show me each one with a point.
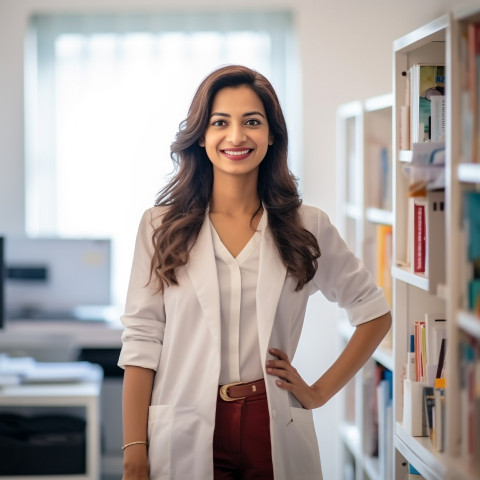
(224, 392)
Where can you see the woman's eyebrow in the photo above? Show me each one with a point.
(247, 114)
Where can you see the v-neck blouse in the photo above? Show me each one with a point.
(237, 280)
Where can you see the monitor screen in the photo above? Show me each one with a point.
(53, 277)
(2, 284)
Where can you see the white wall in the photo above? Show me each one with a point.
(345, 54)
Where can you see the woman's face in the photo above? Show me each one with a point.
(237, 136)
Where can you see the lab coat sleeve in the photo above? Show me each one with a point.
(144, 316)
(343, 278)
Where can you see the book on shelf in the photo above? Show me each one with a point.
(385, 425)
(471, 224)
(426, 235)
(429, 348)
(469, 374)
(471, 123)
(419, 234)
(384, 259)
(379, 191)
(435, 241)
(425, 82)
(438, 417)
(437, 118)
(428, 411)
(413, 473)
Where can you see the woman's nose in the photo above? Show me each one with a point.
(236, 134)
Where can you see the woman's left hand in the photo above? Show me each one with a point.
(289, 379)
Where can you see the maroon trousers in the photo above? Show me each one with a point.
(241, 441)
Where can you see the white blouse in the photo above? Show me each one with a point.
(237, 280)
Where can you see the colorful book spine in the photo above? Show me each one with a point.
(471, 221)
(419, 238)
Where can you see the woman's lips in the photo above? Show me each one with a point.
(237, 154)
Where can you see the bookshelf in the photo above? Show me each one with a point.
(364, 139)
(447, 286)
(444, 41)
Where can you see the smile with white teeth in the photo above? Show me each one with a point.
(237, 152)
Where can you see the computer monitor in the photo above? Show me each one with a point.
(2, 284)
(54, 277)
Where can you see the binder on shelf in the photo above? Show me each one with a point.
(426, 236)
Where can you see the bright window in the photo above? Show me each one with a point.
(105, 97)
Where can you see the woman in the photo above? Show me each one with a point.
(223, 268)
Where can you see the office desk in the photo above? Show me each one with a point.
(83, 333)
(84, 394)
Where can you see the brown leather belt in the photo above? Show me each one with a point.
(240, 390)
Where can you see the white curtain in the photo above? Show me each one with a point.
(105, 96)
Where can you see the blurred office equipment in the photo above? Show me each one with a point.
(57, 278)
(2, 284)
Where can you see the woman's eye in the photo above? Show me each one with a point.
(253, 122)
(218, 123)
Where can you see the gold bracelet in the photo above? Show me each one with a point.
(141, 442)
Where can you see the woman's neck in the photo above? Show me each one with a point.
(233, 196)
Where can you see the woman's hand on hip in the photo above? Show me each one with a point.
(289, 379)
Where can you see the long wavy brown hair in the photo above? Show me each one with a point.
(187, 195)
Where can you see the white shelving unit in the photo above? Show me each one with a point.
(442, 41)
(411, 297)
(364, 130)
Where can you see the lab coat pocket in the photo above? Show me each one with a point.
(301, 415)
(303, 440)
(160, 421)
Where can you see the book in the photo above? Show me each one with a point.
(428, 404)
(419, 236)
(436, 332)
(437, 118)
(473, 85)
(439, 419)
(385, 425)
(425, 81)
(471, 267)
(435, 241)
(419, 334)
(384, 259)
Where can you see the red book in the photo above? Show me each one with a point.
(419, 238)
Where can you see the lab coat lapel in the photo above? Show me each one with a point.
(271, 278)
(202, 271)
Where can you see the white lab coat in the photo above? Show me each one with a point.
(178, 335)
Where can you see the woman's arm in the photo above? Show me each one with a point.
(358, 350)
(137, 392)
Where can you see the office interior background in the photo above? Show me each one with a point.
(319, 54)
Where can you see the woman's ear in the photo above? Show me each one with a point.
(270, 139)
(201, 141)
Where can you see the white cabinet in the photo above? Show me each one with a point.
(364, 140)
(82, 398)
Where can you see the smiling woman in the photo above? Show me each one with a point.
(223, 268)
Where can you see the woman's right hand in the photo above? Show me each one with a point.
(135, 463)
